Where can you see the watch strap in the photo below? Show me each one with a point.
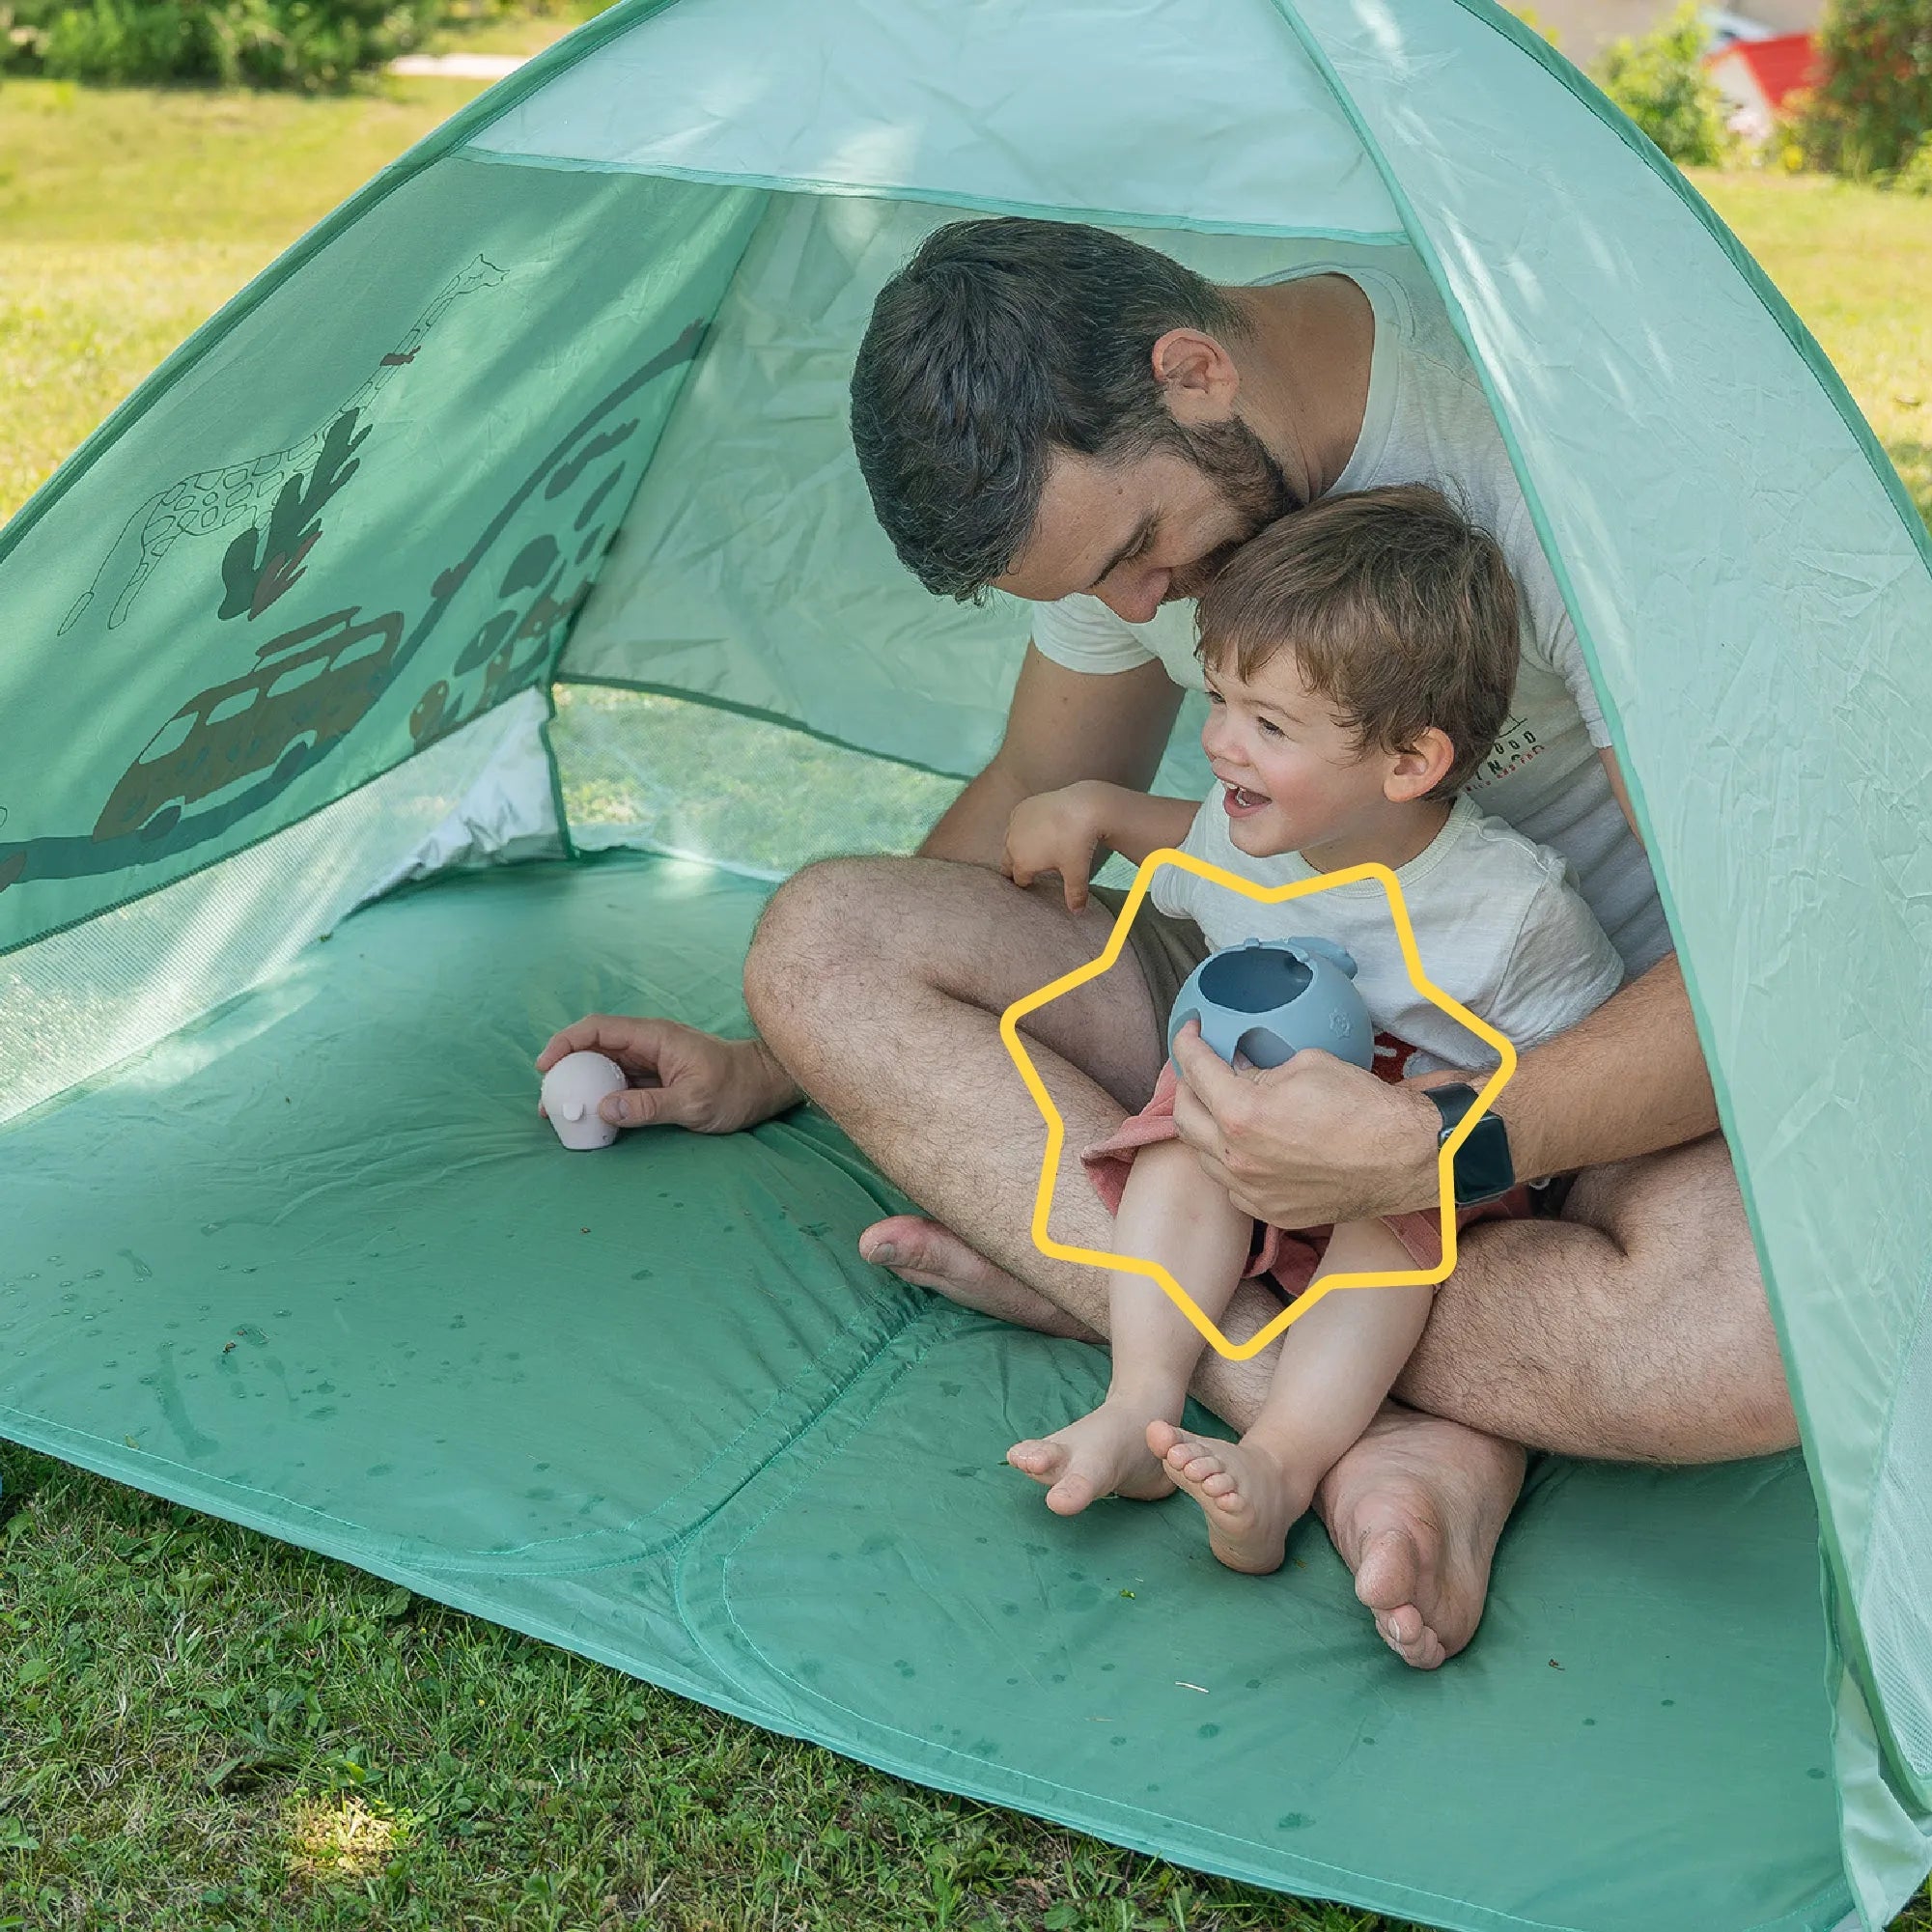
(1483, 1168)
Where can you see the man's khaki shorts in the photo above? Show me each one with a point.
(1166, 949)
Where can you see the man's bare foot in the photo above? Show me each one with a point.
(1250, 1500)
(1415, 1510)
(930, 1255)
(1102, 1454)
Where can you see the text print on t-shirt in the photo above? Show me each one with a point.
(1512, 750)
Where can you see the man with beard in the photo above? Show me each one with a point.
(1070, 417)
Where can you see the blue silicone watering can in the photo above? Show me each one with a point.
(1269, 998)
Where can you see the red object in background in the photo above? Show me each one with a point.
(1780, 67)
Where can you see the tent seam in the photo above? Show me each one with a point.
(473, 1564)
(803, 1467)
(1792, 325)
(808, 185)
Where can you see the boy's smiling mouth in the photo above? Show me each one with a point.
(1239, 801)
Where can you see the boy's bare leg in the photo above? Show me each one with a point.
(1336, 1367)
(1172, 1214)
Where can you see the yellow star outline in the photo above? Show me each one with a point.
(1056, 1131)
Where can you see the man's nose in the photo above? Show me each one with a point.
(1138, 602)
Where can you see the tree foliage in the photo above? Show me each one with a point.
(1660, 81)
(1871, 108)
(306, 44)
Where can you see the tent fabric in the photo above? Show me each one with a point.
(81, 1000)
(930, 102)
(650, 1405)
(558, 397)
(495, 402)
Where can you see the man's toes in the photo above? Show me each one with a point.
(1411, 1639)
(898, 1241)
(1162, 1436)
(1401, 1628)
(1386, 1579)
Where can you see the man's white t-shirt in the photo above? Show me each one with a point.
(1500, 927)
(1428, 421)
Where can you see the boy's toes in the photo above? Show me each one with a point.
(1192, 1458)
(1036, 1458)
(1071, 1494)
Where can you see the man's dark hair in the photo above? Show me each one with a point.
(1000, 340)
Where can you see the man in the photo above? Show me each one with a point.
(1067, 417)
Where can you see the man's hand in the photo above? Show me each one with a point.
(679, 1077)
(1056, 831)
(1312, 1141)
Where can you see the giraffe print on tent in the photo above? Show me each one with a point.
(215, 499)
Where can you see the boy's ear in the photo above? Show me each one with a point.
(1417, 772)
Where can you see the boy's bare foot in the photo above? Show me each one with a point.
(1250, 1500)
(1102, 1454)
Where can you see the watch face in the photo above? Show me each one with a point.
(1484, 1168)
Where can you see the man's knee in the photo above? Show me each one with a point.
(1636, 1327)
(812, 932)
(1683, 1287)
(845, 930)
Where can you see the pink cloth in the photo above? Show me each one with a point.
(1288, 1256)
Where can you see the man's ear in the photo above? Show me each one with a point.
(1416, 772)
(1197, 375)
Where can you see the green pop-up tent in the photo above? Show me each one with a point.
(558, 401)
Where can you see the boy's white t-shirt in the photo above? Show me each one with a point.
(1500, 927)
(1428, 421)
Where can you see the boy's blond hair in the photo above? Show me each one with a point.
(1400, 612)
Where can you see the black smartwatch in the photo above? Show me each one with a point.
(1484, 1168)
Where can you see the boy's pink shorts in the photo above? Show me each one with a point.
(1287, 1256)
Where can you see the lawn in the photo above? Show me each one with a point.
(202, 1727)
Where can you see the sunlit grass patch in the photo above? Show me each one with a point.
(341, 1838)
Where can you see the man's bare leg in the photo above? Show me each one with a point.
(880, 984)
(1634, 1329)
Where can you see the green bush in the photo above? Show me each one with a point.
(1915, 176)
(308, 44)
(1660, 82)
(1872, 105)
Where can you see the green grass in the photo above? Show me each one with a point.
(127, 218)
(1857, 264)
(485, 27)
(203, 1727)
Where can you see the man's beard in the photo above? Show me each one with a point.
(1237, 462)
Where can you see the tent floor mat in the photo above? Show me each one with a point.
(316, 1266)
